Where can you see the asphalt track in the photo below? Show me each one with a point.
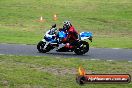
(94, 53)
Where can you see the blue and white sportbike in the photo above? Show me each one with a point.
(80, 46)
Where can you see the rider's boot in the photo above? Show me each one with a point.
(68, 45)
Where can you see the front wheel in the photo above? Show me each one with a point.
(82, 48)
(40, 47)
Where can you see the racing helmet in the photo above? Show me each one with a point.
(67, 24)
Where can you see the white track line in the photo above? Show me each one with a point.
(94, 59)
(2, 54)
(110, 60)
(129, 61)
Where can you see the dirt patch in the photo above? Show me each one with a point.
(58, 71)
(61, 71)
(54, 70)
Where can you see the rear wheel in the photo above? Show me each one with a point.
(82, 48)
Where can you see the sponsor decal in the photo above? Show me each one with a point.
(83, 78)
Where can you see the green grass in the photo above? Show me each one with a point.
(55, 72)
(114, 42)
(109, 20)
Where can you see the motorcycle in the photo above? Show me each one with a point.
(80, 46)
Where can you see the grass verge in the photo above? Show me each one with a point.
(55, 72)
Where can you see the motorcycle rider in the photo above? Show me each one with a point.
(72, 33)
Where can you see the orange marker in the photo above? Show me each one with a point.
(55, 17)
(41, 19)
